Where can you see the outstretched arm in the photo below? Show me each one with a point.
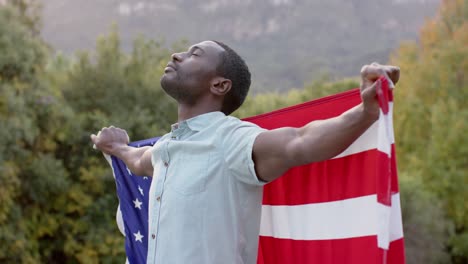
(114, 141)
(276, 151)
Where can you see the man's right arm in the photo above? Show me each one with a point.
(114, 141)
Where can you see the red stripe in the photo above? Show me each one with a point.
(301, 114)
(383, 94)
(337, 179)
(360, 250)
(384, 181)
(394, 170)
(387, 181)
(396, 252)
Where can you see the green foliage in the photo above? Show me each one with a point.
(31, 177)
(25, 54)
(425, 225)
(57, 196)
(29, 14)
(431, 113)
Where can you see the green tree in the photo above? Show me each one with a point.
(29, 13)
(432, 112)
(31, 177)
(57, 196)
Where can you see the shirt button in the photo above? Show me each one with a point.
(153, 236)
(158, 199)
(166, 164)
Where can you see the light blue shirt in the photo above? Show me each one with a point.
(205, 198)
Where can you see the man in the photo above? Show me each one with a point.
(205, 198)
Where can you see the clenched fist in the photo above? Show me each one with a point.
(370, 84)
(110, 139)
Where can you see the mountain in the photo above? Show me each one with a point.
(286, 42)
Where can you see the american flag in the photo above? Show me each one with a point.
(343, 210)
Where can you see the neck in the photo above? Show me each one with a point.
(188, 111)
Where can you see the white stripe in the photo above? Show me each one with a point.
(378, 136)
(396, 223)
(390, 118)
(383, 234)
(349, 218)
(118, 214)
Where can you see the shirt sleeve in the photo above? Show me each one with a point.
(238, 141)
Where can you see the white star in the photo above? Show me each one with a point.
(141, 190)
(145, 178)
(129, 172)
(137, 203)
(138, 236)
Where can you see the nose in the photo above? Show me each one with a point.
(176, 57)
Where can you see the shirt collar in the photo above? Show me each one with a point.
(199, 122)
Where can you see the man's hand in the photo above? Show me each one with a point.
(110, 139)
(370, 84)
(114, 141)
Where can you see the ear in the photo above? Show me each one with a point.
(220, 86)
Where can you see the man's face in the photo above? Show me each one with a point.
(188, 75)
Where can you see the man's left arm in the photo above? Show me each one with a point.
(276, 151)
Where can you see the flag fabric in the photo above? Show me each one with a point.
(343, 210)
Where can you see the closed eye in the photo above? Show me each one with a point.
(195, 51)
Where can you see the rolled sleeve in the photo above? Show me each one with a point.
(238, 145)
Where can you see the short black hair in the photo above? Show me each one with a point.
(234, 68)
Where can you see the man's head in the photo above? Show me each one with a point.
(209, 69)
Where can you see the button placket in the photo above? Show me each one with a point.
(158, 194)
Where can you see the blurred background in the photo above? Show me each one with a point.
(68, 68)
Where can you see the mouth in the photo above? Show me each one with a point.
(169, 67)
